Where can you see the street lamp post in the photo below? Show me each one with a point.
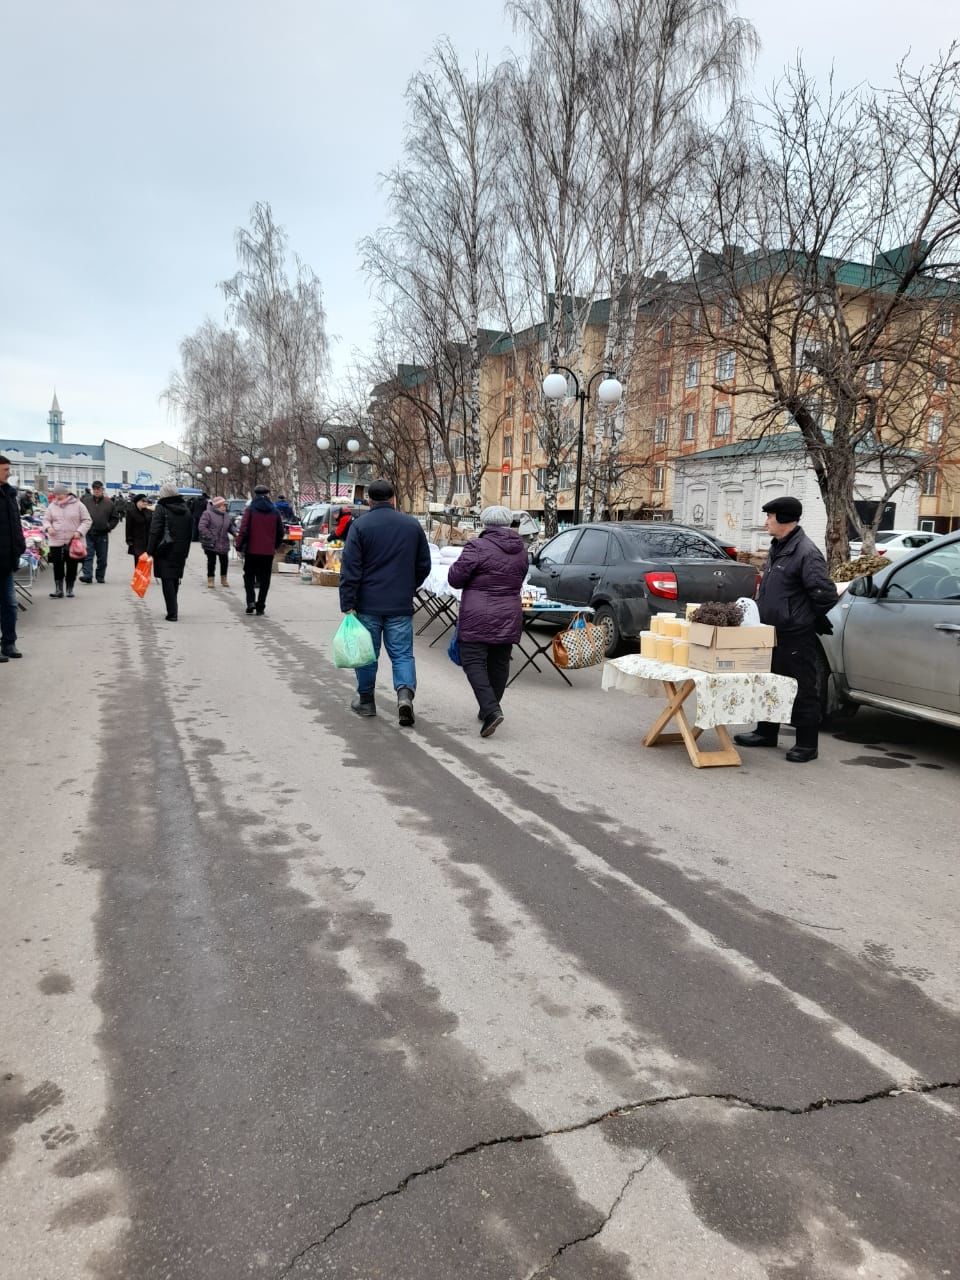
(609, 392)
(337, 444)
(257, 463)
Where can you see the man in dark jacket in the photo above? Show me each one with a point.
(12, 547)
(385, 559)
(261, 532)
(796, 594)
(103, 520)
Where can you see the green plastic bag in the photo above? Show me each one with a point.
(353, 644)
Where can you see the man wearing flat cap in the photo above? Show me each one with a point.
(796, 594)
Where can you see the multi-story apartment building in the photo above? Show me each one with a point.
(689, 393)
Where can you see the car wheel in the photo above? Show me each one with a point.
(833, 707)
(604, 617)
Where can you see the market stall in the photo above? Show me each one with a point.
(722, 699)
(534, 645)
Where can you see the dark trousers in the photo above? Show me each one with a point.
(170, 588)
(8, 610)
(796, 656)
(487, 667)
(212, 557)
(63, 566)
(97, 544)
(256, 578)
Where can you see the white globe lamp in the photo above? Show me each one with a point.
(353, 446)
(555, 386)
(265, 461)
(323, 442)
(245, 459)
(610, 391)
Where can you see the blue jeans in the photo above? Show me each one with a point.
(396, 631)
(8, 611)
(96, 542)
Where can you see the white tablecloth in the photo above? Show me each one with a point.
(722, 698)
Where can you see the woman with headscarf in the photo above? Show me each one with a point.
(137, 526)
(168, 542)
(64, 518)
(491, 570)
(215, 526)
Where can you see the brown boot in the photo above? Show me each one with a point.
(223, 580)
(210, 583)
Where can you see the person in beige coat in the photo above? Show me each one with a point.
(64, 517)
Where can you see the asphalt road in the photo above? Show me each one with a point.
(291, 994)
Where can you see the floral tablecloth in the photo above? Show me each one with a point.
(722, 698)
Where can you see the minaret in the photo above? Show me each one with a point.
(55, 422)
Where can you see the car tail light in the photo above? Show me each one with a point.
(756, 585)
(662, 583)
(729, 551)
(881, 551)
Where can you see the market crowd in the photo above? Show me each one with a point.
(386, 559)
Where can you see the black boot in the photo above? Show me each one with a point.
(364, 704)
(805, 750)
(57, 592)
(765, 735)
(405, 706)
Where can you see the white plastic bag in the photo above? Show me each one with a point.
(751, 614)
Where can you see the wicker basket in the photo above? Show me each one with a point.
(326, 578)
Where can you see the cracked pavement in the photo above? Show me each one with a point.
(294, 995)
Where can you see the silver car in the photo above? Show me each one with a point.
(896, 638)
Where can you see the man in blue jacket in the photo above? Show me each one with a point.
(385, 559)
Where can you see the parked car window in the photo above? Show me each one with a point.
(557, 550)
(918, 540)
(885, 535)
(935, 576)
(670, 544)
(592, 548)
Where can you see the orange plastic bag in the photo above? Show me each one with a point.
(142, 574)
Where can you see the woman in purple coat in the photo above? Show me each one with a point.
(491, 570)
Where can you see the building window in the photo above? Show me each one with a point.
(726, 365)
(505, 486)
(689, 426)
(528, 402)
(568, 431)
(461, 484)
(663, 385)
(510, 368)
(658, 475)
(935, 428)
(124, 478)
(458, 445)
(525, 484)
(508, 446)
(721, 421)
(691, 377)
(541, 479)
(929, 483)
(528, 442)
(666, 334)
(729, 312)
(696, 318)
(660, 430)
(508, 406)
(875, 373)
(568, 477)
(940, 377)
(945, 324)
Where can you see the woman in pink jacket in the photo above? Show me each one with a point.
(64, 517)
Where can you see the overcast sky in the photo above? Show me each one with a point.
(136, 137)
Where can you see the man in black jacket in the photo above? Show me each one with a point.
(385, 559)
(12, 547)
(796, 594)
(103, 521)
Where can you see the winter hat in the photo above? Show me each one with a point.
(139, 497)
(381, 491)
(262, 488)
(219, 502)
(60, 490)
(168, 490)
(786, 510)
(491, 517)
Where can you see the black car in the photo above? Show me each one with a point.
(631, 570)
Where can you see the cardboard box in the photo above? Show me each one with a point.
(732, 637)
(723, 661)
(725, 649)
